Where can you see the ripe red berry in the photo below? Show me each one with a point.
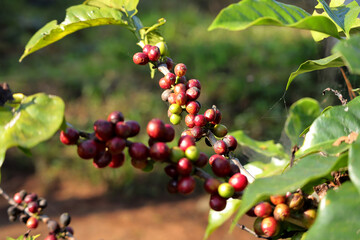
(202, 160)
(215, 156)
(171, 170)
(180, 87)
(33, 207)
(181, 98)
(184, 166)
(139, 163)
(220, 147)
(169, 63)
(115, 117)
(146, 49)
(87, 149)
(200, 120)
(102, 160)
(277, 199)
(156, 129)
(270, 226)
(138, 151)
(116, 145)
(189, 120)
(186, 185)
(18, 198)
(221, 167)
(159, 151)
(197, 132)
(171, 78)
(117, 160)
(169, 133)
(180, 69)
(230, 142)
(211, 185)
(217, 117)
(31, 197)
(182, 80)
(172, 186)
(172, 98)
(185, 142)
(32, 223)
(192, 93)
(210, 115)
(134, 127)
(154, 54)
(69, 137)
(50, 237)
(193, 107)
(193, 83)
(217, 202)
(103, 130)
(263, 209)
(164, 84)
(239, 182)
(140, 58)
(122, 129)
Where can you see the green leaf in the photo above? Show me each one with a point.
(302, 113)
(308, 169)
(77, 17)
(22, 237)
(343, 15)
(267, 148)
(312, 65)
(37, 118)
(123, 5)
(338, 215)
(217, 218)
(260, 169)
(247, 13)
(350, 51)
(354, 163)
(334, 123)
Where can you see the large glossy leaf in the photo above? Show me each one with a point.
(217, 218)
(344, 15)
(301, 114)
(261, 169)
(249, 13)
(267, 148)
(354, 163)
(123, 5)
(77, 18)
(36, 119)
(334, 123)
(338, 215)
(350, 52)
(334, 60)
(308, 169)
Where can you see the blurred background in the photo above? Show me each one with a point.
(243, 73)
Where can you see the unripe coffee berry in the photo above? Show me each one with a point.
(175, 108)
(257, 226)
(175, 119)
(309, 217)
(140, 58)
(225, 190)
(162, 47)
(176, 154)
(295, 201)
(180, 69)
(220, 130)
(281, 212)
(277, 199)
(139, 163)
(192, 153)
(65, 219)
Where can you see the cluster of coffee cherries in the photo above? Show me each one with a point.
(155, 54)
(107, 143)
(28, 208)
(280, 210)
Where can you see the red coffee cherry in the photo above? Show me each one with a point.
(193, 107)
(172, 186)
(270, 226)
(180, 87)
(217, 119)
(190, 120)
(156, 129)
(193, 83)
(257, 226)
(134, 127)
(164, 84)
(192, 93)
(138, 151)
(18, 198)
(217, 202)
(116, 145)
(159, 151)
(33, 207)
(117, 160)
(122, 129)
(277, 199)
(181, 98)
(239, 182)
(182, 80)
(263, 209)
(210, 115)
(140, 58)
(169, 133)
(87, 149)
(215, 156)
(230, 142)
(172, 98)
(154, 54)
(115, 117)
(102, 160)
(171, 170)
(171, 78)
(200, 120)
(32, 223)
(169, 63)
(202, 160)
(146, 49)
(185, 142)
(186, 185)
(197, 132)
(139, 163)
(50, 237)
(221, 167)
(69, 137)
(220, 147)
(211, 185)
(103, 130)
(184, 166)
(31, 197)
(180, 69)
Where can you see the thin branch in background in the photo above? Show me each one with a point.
(337, 93)
(294, 149)
(348, 84)
(243, 227)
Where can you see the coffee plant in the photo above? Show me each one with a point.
(311, 193)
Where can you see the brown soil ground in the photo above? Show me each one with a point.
(97, 217)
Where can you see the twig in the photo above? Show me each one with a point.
(243, 227)
(202, 174)
(294, 149)
(337, 93)
(348, 84)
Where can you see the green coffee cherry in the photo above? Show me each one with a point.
(225, 190)
(220, 130)
(175, 108)
(176, 154)
(175, 119)
(163, 48)
(192, 153)
(149, 166)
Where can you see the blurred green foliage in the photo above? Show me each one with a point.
(243, 73)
